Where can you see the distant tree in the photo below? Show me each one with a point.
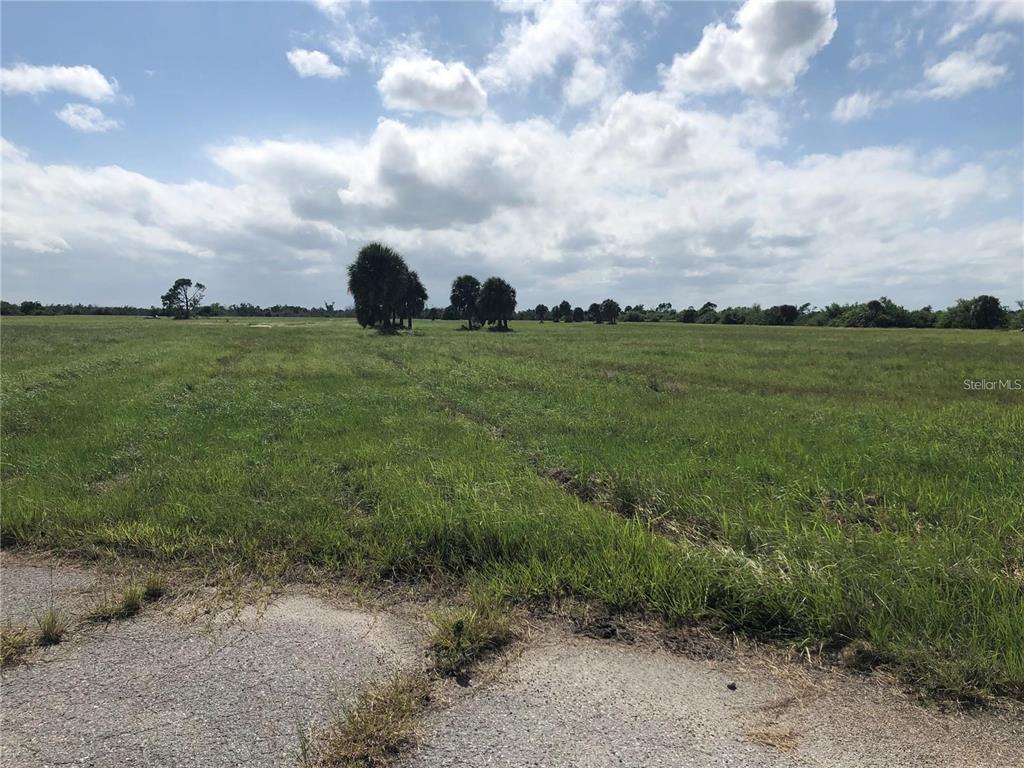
(594, 312)
(497, 302)
(781, 314)
(731, 316)
(688, 315)
(708, 313)
(30, 307)
(377, 281)
(610, 310)
(665, 306)
(987, 312)
(578, 316)
(565, 311)
(182, 298)
(414, 297)
(541, 311)
(7, 308)
(464, 296)
(451, 313)
(980, 312)
(433, 313)
(925, 317)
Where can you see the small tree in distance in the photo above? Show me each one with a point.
(594, 310)
(465, 292)
(414, 297)
(565, 311)
(578, 315)
(541, 312)
(610, 310)
(183, 298)
(497, 302)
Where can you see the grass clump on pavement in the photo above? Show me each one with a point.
(124, 606)
(382, 724)
(15, 643)
(52, 626)
(465, 636)
(154, 587)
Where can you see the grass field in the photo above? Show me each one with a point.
(815, 486)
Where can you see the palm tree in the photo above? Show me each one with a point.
(497, 302)
(414, 296)
(376, 280)
(465, 292)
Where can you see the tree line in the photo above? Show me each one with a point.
(388, 295)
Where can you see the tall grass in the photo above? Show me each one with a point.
(818, 486)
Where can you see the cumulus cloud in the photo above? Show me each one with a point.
(546, 35)
(588, 82)
(856, 106)
(644, 199)
(964, 71)
(768, 45)
(83, 81)
(422, 84)
(84, 117)
(314, 64)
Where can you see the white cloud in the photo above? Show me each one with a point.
(856, 106)
(547, 34)
(423, 84)
(644, 200)
(84, 81)
(588, 82)
(314, 64)
(964, 71)
(83, 117)
(864, 60)
(768, 46)
(967, 15)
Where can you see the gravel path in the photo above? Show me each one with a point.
(155, 691)
(572, 701)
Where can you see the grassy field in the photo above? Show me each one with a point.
(815, 486)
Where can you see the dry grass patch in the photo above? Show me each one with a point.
(383, 724)
(782, 739)
(15, 642)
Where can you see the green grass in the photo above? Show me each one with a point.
(124, 606)
(463, 637)
(52, 627)
(812, 486)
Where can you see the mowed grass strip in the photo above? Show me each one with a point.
(816, 486)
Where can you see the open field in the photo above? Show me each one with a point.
(822, 487)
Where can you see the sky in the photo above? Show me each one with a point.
(684, 152)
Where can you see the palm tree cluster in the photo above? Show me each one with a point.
(492, 302)
(386, 292)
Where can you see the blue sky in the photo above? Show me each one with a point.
(651, 152)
